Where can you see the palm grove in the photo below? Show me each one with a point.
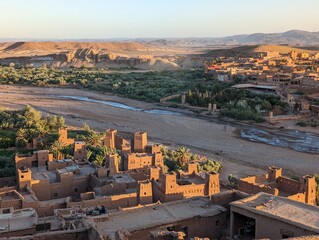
(19, 127)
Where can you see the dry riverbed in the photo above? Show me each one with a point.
(240, 157)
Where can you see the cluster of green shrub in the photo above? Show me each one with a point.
(177, 159)
(234, 103)
(7, 166)
(146, 86)
(311, 123)
(17, 128)
(20, 127)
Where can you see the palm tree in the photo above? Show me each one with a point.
(107, 151)
(67, 151)
(56, 148)
(88, 154)
(182, 155)
(22, 133)
(21, 139)
(100, 160)
(94, 139)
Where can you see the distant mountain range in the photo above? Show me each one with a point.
(293, 38)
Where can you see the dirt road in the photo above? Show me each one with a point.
(240, 157)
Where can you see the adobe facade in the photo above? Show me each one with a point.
(63, 137)
(59, 183)
(142, 160)
(79, 154)
(274, 183)
(140, 142)
(37, 159)
(170, 187)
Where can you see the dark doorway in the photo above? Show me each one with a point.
(245, 227)
(34, 164)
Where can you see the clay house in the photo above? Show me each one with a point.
(37, 159)
(115, 141)
(142, 160)
(171, 187)
(112, 164)
(110, 138)
(114, 191)
(310, 79)
(140, 142)
(282, 78)
(59, 183)
(265, 216)
(195, 217)
(274, 183)
(79, 154)
(63, 137)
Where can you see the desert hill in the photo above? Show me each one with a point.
(54, 46)
(252, 50)
(95, 54)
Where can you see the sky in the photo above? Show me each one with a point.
(103, 19)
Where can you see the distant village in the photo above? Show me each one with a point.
(293, 76)
(131, 195)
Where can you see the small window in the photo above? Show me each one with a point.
(217, 223)
(22, 176)
(76, 189)
(144, 193)
(55, 194)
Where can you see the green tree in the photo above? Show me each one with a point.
(56, 149)
(100, 160)
(88, 154)
(94, 139)
(182, 155)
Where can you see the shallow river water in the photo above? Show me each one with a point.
(123, 106)
(296, 140)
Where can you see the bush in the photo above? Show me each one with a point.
(301, 124)
(210, 166)
(313, 123)
(233, 181)
(242, 114)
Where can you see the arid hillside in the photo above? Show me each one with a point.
(97, 54)
(255, 49)
(56, 46)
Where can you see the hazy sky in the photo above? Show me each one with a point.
(153, 18)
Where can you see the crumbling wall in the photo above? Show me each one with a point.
(288, 185)
(253, 189)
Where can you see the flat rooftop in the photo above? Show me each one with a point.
(42, 174)
(196, 179)
(18, 220)
(10, 195)
(155, 215)
(118, 178)
(282, 209)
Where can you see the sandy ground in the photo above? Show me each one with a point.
(240, 157)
